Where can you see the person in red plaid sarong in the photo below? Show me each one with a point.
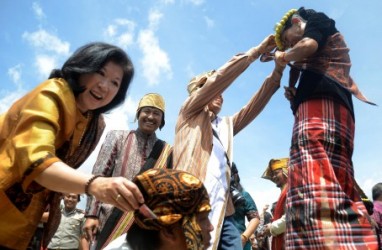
(323, 209)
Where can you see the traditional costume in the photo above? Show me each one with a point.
(278, 225)
(323, 208)
(41, 128)
(198, 151)
(124, 153)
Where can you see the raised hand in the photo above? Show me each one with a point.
(267, 45)
(117, 191)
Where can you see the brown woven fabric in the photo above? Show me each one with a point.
(332, 61)
(173, 196)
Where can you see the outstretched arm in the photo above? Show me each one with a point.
(219, 81)
(303, 49)
(60, 177)
(257, 103)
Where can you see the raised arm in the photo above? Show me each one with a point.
(257, 103)
(224, 76)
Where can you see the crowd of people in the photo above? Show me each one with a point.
(187, 196)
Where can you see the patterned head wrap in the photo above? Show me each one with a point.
(173, 195)
(276, 164)
(152, 100)
(198, 81)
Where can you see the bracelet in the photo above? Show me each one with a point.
(245, 237)
(87, 185)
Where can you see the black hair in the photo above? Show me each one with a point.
(302, 12)
(377, 191)
(234, 169)
(162, 122)
(142, 239)
(90, 58)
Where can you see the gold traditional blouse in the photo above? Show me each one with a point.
(30, 132)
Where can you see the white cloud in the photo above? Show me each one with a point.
(121, 117)
(155, 61)
(121, 32)
(210, 23)
(38, 10)
(154, 18)
(15, 75)
(41, 39)
(45, 64)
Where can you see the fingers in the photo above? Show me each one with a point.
(289, 93)
(129, 196)
(267, 45)
(117, 191)
(90, 228)
(279, 59)
(125, 194)
(88, 234)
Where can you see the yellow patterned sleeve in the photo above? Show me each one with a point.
(37, 125)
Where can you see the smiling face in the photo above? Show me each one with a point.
(216, 105)
(100, 87)
(279, 177)
(70, 201)
(149, 119)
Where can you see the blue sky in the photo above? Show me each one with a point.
(170, 41)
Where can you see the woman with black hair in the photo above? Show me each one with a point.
(50, 132)
(323, 208)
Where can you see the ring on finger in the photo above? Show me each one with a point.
(118, 196)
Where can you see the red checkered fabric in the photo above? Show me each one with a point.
(324, 211)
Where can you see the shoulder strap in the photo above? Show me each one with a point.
(154, 155)
(116, 215)
(225, 151)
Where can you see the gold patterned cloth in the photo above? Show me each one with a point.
(173, 195)
(276, 164)
(152, 100)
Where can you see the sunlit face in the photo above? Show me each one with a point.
(70, 201)
(149, 120)
(293, 35)
(279, 178)
(206, 227)
(216, 105)
(100, 87)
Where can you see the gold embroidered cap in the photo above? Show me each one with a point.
(152, 100)
(275, 164)
(199, 81)
(173, 195)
